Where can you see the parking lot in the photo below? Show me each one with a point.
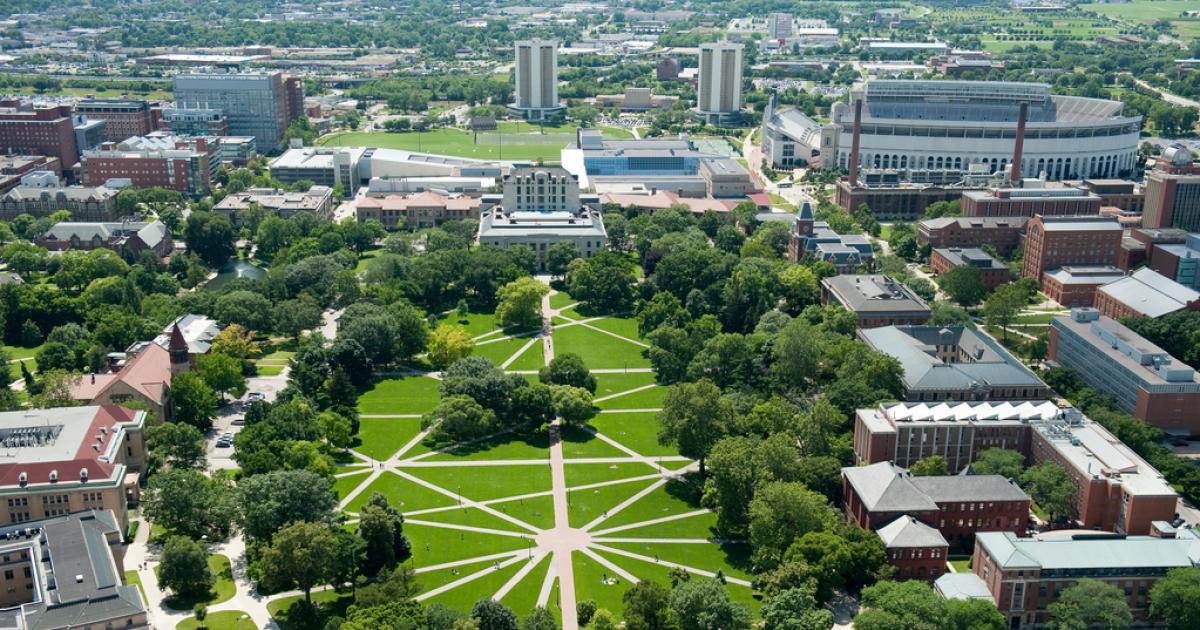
(231, 415)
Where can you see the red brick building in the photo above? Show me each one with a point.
(39, 131)
(1146, 293)
(917, 550)
(182, 164)
(992, 272)
(1076, 285)
(1026, 202)
(1057, 241)
(906, 201)
(956, 506)
(124, 118)
(1173, 191)
(1002, 233)
(1117, 490)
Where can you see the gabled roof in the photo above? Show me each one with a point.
(885, 487)
(906, 532)
(148, 373)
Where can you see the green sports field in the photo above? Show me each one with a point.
(512, 141)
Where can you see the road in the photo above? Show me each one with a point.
(1174, 99)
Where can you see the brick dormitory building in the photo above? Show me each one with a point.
(1117, 490)
(919, 518)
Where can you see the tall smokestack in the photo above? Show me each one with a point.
(854, 142)
(1019, 146)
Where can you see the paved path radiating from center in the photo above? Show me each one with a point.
(558, 482)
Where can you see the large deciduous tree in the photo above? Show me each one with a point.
(693, 418)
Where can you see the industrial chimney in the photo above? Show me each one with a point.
(1014, 176)
(854, 142)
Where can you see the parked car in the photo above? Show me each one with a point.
(255, 396)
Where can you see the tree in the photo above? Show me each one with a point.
(584, 611)
(799, 287)
(999, 461)
(381, 527)
(55, 391)
(973, 614)
(301, 555)
(247, 309)
(269, 501)
(1050, 486)
(568, 368)
(540, 618)
(1090, 603)
(183, 568)
(964, 284)
(780, 513)
(647, 606)
(520, 304)
(603, 282)
(702, 604)
(447, 344)
(195, 402)
(210, 236)
(492, 615)
(1003, 305)
(572, 404)
(932, 466)
(187, 502)
(293, 317)
(693, 418)
(798, 349)
(794, 609)
(177, 445)
(458, 418)
(1175, 599)
(235, 341)
(559, 256)
(910, 605)
(222, 373)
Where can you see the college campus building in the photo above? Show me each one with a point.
(257, 104)
(812, 239)
(417, 210)
(67, 572)
(1148, 383)
(955, 506)
(1052, 242)
(1146, 293)
(539, 209)
(536, 70)
(36, 130)
(875, 300)
(1026, 202)
(145, 376)
(791, 139)
(1173, 191)
(85, 204)
(123, 118)
(946, 363)
(719, 88)
(281, 203)
(1076, 285)
(195, 122)
(1002, 233)
(1116, 489)
(1023, 576)
(992, 272)
(185, 165)
(128, 238)
(1179, 260)
(324, 166)
(70, 459)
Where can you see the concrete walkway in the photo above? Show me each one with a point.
(561, 540)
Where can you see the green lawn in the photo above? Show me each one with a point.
(437, 545)
(609, 384)
(731, 558)
(598, 350)
(380, 438)
(513, 141)
(221, 620)
(342, 486)
(645, 399)
(499, 351)
(585, 505)
(591, 583)
(561, 299)
(534, 358)
(537, 511)
(635, 430)
(131, 577)
(113, 90)
(587, 474)
(475, 323)
(663, 501)
(579, 443)
(504, 446)
(473, 517)
(658, 573)
(697, 526)
(523, 597)
(402, 494)
(627, 327)
(962, 565)
(223, 590)
(464, 597)
(488, 482)
(405, 395)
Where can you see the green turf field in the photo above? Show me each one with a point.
(513, 141)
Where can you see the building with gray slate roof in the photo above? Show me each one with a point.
(812, 239)
(128, 238)
(954, 363)
(84, 204)
(876, 300)
(1024, 576)
(917, 550)
(66, 572)
(957, 506)
(1146, 293)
